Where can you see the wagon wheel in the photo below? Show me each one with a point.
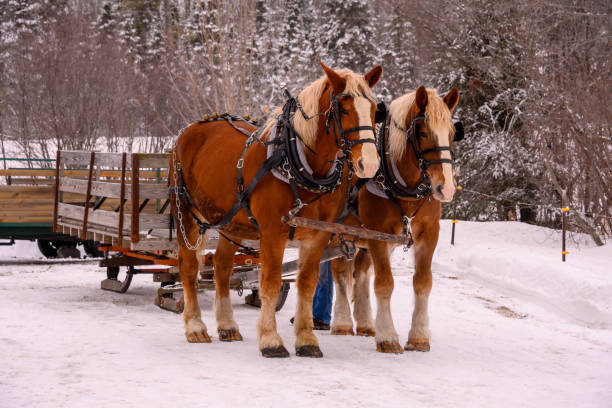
(112, 273)
(58, 248)
(254, 300)
(282, 296)
(46, 248)
(68, 251)
(91, 249)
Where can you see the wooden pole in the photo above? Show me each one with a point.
(454, 217)
(563, 228)
(88, 195)
(56, 198)
(135, 198)
(122, 198)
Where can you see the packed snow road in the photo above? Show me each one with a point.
(512, 326)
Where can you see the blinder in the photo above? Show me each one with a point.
(459, 132)
(381, 112)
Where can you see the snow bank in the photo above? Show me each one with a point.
(524, 261)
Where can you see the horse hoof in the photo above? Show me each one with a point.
(198, 337)
(229, 335)
(275, 352)
(389, 347)
(417, 346)
(342, 331)
(308, 351)
(365, 331)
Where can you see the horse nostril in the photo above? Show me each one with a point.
(360, 164)
(439, 189)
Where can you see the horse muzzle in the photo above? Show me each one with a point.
(444, 192)
(366, 168)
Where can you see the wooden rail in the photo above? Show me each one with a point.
(126, 209)
(79, 173)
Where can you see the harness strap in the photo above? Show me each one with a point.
(357, 129)
(437, 149)
(428, 163)
(246, 249)
(385, 176)
(360, 141)
(241, 196)
(352, 205)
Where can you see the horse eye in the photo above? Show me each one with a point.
(344, 111)
(423, 135)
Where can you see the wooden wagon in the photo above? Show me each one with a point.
(124, 205)
(26, 208)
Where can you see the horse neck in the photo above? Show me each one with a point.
(325, 148)
(408, 167)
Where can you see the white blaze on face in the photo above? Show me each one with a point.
(369, 155)
(448, 189)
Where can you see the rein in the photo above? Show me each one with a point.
(386, 179)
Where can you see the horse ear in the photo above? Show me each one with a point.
(373, 76)
(337, 82)
(452, 98)
(421, 98)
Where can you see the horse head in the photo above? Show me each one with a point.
(422, 119)
(345, 106)
(352, 101)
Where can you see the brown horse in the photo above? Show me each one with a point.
(333, 118)
(419, 127)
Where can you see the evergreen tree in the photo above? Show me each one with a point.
(396, 44)
(346, 35)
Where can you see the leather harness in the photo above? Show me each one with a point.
(285, 159)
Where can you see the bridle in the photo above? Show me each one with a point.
(385, 177)
(292, 167)
(334, 112)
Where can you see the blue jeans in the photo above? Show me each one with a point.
(324, 295)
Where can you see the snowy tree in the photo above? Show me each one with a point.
(346, 35)
(397, 49)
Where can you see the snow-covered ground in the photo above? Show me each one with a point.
(512, 326)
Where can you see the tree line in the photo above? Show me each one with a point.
(129, 74)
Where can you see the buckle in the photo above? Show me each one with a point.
(296, 209)
(240, 163)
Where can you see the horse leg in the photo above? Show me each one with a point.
(419, 336)
(306, 343)
(270, 342)
(361, 294)
(387, 340)
(195, 329)
(224, 266)
(342, 323)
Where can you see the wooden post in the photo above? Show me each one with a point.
(454, 217)
(563, 228)
(88, 195)
(57, 180)
(122, 198)
(135, 198)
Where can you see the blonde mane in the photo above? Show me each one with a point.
(437, 116)
(356, 85)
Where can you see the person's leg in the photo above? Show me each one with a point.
(324, 295)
